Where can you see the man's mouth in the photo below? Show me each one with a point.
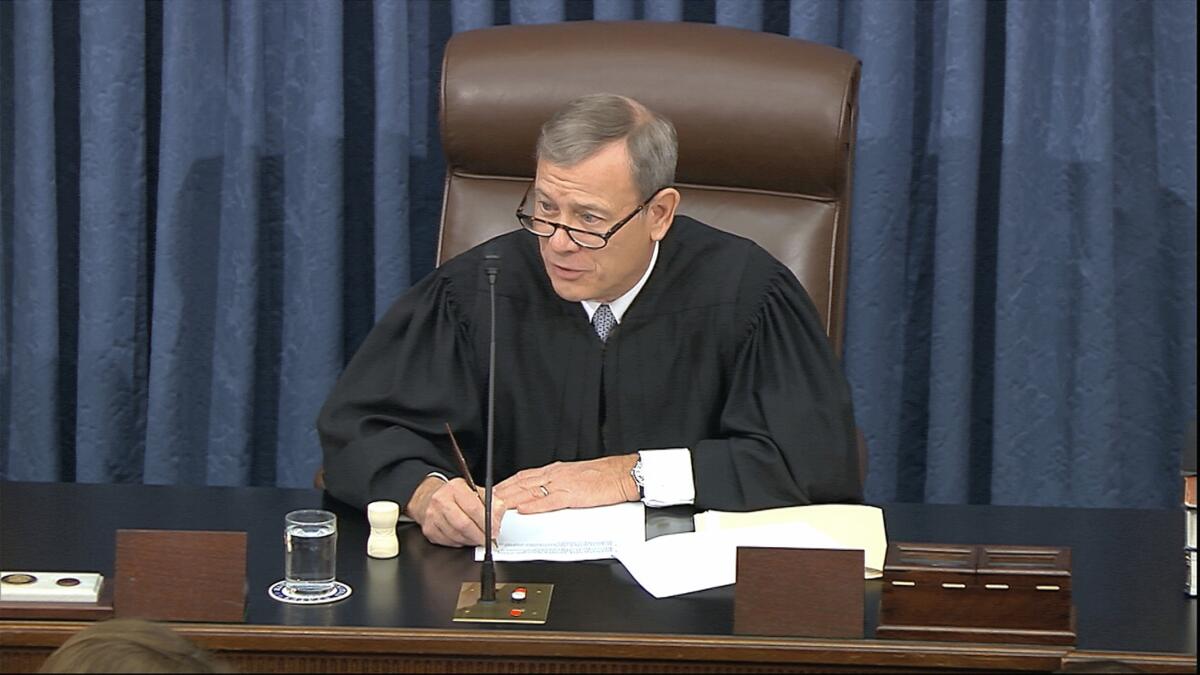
(565, 273)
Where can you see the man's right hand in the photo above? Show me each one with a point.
(451, 514)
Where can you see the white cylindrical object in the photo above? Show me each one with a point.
(383, 542)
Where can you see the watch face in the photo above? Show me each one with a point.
(638, 478)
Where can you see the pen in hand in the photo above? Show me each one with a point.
(466, 472)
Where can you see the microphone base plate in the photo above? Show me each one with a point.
(533, 609)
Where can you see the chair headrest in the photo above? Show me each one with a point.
(772, 113)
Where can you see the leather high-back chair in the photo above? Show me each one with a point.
(766, 130)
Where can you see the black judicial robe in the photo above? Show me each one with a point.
(722, 352)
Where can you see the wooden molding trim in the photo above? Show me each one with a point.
(565, 645)
(1148, 662)
(316, 642)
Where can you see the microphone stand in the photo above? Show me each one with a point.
(487, 575)
(517, 602)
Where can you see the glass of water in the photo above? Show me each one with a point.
(310, 552)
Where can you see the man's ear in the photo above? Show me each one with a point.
(662, 212)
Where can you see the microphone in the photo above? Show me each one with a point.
(487, 575)
(491, 267)
(519, 602)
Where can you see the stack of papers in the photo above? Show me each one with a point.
(850, 525)
(693, 561)
(570, 534)
(707, 558)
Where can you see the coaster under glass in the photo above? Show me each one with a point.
(280, 593)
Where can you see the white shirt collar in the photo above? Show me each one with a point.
(622, 303)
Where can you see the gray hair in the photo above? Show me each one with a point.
(583, 126)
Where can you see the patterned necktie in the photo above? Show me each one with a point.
(603, 322)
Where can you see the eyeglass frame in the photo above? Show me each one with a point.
(557, 226)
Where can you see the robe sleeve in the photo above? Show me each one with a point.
(382, 427)
(787, 427)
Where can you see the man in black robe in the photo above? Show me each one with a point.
(640, 355)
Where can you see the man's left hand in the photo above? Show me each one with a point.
(567, 485)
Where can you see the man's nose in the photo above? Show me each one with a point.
(561, 241)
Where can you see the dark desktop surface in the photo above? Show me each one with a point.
(1128, 565)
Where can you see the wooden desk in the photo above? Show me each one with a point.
(1127, 586)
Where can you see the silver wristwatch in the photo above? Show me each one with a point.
(639, 477)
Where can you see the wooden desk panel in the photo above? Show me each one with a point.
(300, 649)
(308, 650)
(399, 616)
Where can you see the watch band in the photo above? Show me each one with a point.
(639, 477)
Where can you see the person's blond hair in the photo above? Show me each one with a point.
(130, 646)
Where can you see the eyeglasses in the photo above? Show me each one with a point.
(582, 238)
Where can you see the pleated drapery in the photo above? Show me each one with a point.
(205, 205)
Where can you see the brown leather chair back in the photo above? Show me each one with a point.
(766, 130)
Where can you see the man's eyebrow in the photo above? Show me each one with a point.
(585, 206)
(578, 206)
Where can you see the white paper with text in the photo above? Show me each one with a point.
(570, 534)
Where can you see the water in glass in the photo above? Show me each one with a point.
(310, 541)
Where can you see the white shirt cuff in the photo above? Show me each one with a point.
(667, 475)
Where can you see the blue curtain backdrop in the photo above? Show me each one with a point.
(205, 205)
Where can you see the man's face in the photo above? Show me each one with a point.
(594, 195)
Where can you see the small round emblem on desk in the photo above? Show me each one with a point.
(279, 592)
(18, 579)
(68, 581)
